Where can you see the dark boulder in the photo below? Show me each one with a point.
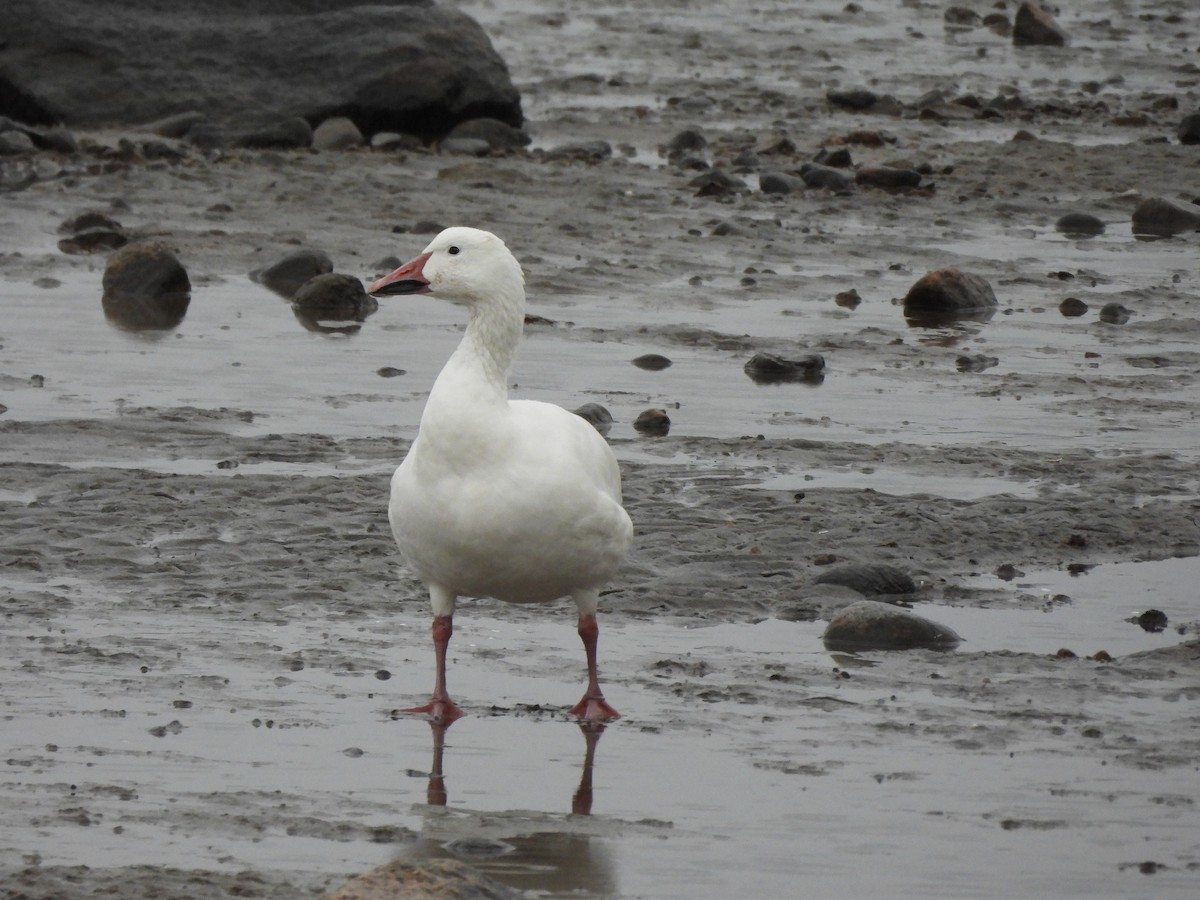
(335, 293)
(406, 65)
(1079, 224)
(871, 625)
(145, 287)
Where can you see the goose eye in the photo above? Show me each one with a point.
(453, 251)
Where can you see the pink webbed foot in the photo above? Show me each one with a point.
(441, 712)
(594, 709)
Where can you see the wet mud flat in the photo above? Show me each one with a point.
(207, 628)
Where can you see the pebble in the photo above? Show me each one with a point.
(1114, 314)
(1160, 217)
(597, 416)
(286, 276)
(816, 175)
(390, 372)
(1077, 224)
(653, 362)
(856, 98)
(690, 140)
(767, 368)
(654, 422)
(837, 158)
(716, 183)
(1152, 620)
(1072, 307)
(779, 183)
(872, 625)
(337, 133)
(1034, 26)
(1189, 129)
(976, 363)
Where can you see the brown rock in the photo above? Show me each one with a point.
(887, 178)
(1033, 25)
(871, 625)
(949, 290)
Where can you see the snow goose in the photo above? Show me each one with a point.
(513, 499)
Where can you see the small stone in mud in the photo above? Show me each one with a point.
(92, 240)
(767, 368)
(857, 98)
(1152, 620)
(1189, 129)
(500, 136)
(1034, 26)
(816, 175)
(390, 372)
(689, 140)
(337, 133)
(1078, 224)
(653, 422)
(1072, 307)
(847, 299)
(286, 276)
(353, 752)
(580, 151)
(1114, 313)
(869, 579)
(871, 625)
(597, 416)
(1161, 217)
(288, 134)
(1007, 572)
(779, 183)
(383, 674)
(1065, 653)
(172, 727)
(653, 362)
(977, 362)
(717, 184)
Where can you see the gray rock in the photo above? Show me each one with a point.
(1114, 314)
(1033, 25)
(286, 276)
(716, 183)
(1189, 129)
(857, 98)
(14, 142)
(869, 579)
(779, 183)
(1078, 224)
(871, 625)
(412, 67)
(175, 126)
(581, 151)
(1160, 217)
(888, 178)
(816, 175)
(336, 133)
(767, 368)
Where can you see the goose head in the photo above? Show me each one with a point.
(463, 265)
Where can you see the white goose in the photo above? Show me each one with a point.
(513, 499)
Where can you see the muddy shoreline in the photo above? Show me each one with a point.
(205, 615)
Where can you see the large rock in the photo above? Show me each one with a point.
(1163, 217)
(396, 65)
(871, 625)
(146, 288)
(1033, 25)
(949, 291)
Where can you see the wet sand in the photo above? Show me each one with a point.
(207, 627)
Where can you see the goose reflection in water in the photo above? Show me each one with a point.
(530, 851)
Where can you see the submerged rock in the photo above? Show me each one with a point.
(333, 292)
(654, 422)
(1078, 224)
(871, 625)
(767, 368)
(652, 362)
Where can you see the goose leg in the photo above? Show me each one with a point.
(593, 707)
(440, 707)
